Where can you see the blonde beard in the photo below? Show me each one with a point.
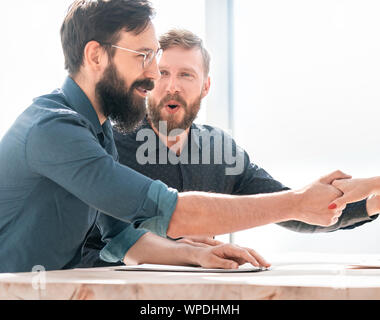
(155, 116)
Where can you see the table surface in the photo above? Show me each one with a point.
(292, 276)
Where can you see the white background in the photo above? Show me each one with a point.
(307, 102)
(307, 98)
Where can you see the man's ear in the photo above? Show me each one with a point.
(206, 87)
(94, 56)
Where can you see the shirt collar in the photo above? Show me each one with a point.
(79, 102)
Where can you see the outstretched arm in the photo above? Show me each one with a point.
(200, 213)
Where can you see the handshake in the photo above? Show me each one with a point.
(319, 205)
(322, 202)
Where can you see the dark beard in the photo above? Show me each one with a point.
(124, 108)
(191, 113)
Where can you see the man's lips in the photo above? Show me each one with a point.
(173, 103)
(142, 91)
(144, 86)
(172, 106)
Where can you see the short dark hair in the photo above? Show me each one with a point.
(185, 39)
(102, 21)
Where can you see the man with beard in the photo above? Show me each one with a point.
(173, 106)
(60, 175)
(59, 169)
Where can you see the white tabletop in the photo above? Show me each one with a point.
(292, 276)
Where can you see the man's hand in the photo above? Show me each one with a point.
(217, 254)
(228, 256)
(315, 200)
(151, 248)
(199, 241)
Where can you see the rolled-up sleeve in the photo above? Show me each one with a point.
(116, 249)
(65, 149)
(160, 199)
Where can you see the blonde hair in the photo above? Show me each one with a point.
(187, 40)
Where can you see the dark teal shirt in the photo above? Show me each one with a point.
(58, 175)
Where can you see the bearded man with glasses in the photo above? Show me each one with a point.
(58, 162)
(59, 173)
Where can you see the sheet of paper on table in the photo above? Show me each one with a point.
(366, 264)
(168, 268)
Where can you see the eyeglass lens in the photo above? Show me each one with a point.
(150, 56)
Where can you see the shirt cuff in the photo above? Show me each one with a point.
(356, 215)
(116, 249)
(160, 204)
(163, 201)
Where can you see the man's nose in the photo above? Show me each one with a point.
(152, 71)
(172, 85)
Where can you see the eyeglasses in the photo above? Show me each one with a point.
(148, 56)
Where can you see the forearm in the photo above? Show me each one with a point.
(153, 249)
(376, 185)
(199, 213)
(373, 205)
(367, 185)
